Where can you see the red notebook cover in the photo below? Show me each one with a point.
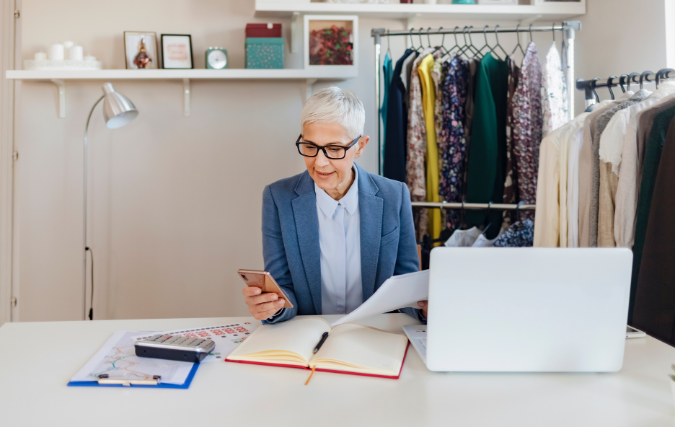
(263, 30)
(329, 370)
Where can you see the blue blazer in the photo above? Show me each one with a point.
(290, 228)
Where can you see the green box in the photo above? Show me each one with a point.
(265, 52)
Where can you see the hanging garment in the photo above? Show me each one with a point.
(463, 238)
(598, 172)
(654, 309)
(487, 157)
(527, 125)
(657, 129)
(519, 235)
(454, 91)
(432, 173)
(550, 229)
(573, 188)
(484, 242)
(406, 72)
(388, 73)
(626, 192)
(511, 181)
(468, 121)
(554, 93)
(396, 125)
(586, 172)
(417, 147)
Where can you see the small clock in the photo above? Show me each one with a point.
(216, 58)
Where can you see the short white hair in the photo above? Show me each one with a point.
(335, 105)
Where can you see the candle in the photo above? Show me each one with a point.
(40, 56)
(56, 52)
(76, 53)
(68, 44)
(90, 58)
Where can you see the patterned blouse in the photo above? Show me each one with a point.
(519, 235)
(452, 143)
(527, 125)
(554, 93)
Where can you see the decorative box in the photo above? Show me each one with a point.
(263, 30)
(331, 43)
(265, 52)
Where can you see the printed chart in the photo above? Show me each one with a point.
(118, 359)
(226, 337)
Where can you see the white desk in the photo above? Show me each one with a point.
(33, 389)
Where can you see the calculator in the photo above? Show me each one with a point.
(175, 347)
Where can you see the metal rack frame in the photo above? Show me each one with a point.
(568, 29)
(474, 206)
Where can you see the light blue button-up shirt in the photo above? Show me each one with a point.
(340, 243)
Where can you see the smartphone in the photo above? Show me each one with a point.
(264, 281)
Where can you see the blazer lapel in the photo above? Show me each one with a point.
(370, 209)
(307, 228)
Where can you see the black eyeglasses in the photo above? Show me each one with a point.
(333, 152)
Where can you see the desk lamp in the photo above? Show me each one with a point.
(118, 111)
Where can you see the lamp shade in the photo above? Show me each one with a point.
(118, 111)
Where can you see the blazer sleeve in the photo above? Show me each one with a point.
(274, 254)
(407, 260)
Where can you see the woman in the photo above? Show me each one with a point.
(334, 233)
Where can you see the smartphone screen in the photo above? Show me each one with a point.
(264, 281)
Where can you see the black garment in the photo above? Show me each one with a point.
(395, 144)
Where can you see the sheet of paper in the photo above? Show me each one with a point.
(227, 337)
(397, 292)
(117, 358)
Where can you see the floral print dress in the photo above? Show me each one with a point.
(527, 125)
(452, 142)
(554, 93)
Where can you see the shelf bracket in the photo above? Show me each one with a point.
(61, 85)
(296, 32)
(309, 88)
(186, 95)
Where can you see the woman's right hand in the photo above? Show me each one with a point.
(262, 306)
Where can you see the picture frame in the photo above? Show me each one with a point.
(177, 51)
(134, 42)
(331, 43)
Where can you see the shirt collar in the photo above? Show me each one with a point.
(350, 201)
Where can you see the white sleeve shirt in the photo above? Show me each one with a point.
(340, 243)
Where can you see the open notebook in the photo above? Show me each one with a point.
(349, 349)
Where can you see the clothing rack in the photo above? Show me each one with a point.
(589, 86)
(568, 29)
(474, 206)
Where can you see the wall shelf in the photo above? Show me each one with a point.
(286, 9)
(61, 77)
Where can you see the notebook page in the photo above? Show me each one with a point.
(364, 347)
(299, 336)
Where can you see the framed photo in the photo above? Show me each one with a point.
(140, 50)
(177, 51)
(331, 42)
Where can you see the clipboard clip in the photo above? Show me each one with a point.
(104, 379)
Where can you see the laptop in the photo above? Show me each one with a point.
(525, 310)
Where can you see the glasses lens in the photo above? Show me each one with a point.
(335, 152)
(308, 149)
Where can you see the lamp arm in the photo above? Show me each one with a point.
(86, 248)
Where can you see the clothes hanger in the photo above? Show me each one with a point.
(487, 45)
(388, 45)
(622, 82)
(645, 76)
(498, 44)
(521, 203)
(476, 53)
(597, 98)
(631, 76)
(531, 39)
(487, 216)
(454, 34)
(468, 47)
(412, 45)
(419, 34)
(662, 73)
(610, 81)
(553, 32)
(518, 45)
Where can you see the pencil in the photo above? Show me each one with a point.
(310, 375)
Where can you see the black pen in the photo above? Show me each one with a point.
(323, 340)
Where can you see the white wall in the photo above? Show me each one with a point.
(175, 202)
(621, 37)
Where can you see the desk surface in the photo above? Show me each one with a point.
(33, 388)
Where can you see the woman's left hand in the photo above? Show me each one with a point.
(424, 306)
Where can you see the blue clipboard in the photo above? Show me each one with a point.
(183, 386)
